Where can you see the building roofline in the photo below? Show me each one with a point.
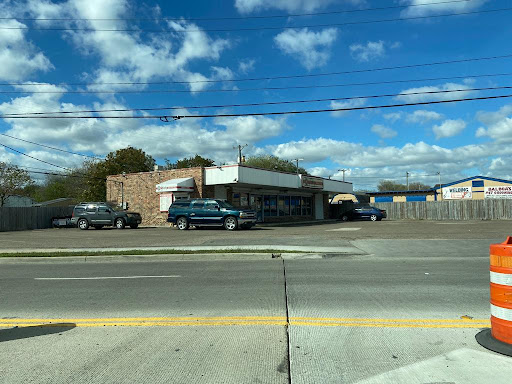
(472, 178)
(275, 171)
(401, 192)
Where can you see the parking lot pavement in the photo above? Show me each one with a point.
(325, 234)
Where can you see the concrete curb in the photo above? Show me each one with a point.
(171, 257)
(292, 248)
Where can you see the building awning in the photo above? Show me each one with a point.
(185, 184)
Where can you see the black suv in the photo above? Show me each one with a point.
(99, 215)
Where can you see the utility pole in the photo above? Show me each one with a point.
(297, 164)
(343, 170)
(407, 179)
(440, 189)
(240, 147)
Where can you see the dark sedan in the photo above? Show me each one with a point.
(364, 213)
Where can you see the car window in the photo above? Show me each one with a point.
(224, 204)
(91, 209)
(180, 204)
(211, 205)
(79, 211)
(103, 209)
(197, 204)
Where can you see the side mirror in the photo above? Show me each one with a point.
(217, 208)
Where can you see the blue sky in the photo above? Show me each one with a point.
(457, 140)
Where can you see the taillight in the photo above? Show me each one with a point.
(73, 214)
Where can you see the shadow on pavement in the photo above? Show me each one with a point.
(17, 333)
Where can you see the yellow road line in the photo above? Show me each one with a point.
(113, 319)
(391, 325)
(363, 319)
(248, 320)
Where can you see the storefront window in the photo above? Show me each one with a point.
(306, 206)
(295, 206)
(284, 206)
(270, 206)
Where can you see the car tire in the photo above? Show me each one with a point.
(83, 224)
(373, 218)
(344, 218)
(98, 226)
(134, 226)
(230, 223)
(182, 223)
(119, 223)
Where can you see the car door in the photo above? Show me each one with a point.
(212, 213)
(366, 212)
(104, 215)
(196, 212)
(90, 214)
(358, 213)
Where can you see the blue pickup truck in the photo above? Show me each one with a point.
(209, 212)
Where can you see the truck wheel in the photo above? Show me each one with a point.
(344, 218)
(119, 223)
(182, 223)
(230, 223)
(83, 224)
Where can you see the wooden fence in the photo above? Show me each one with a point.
(23, 218)
(449, 210)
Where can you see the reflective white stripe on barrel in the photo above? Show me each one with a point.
(501, 313)
(501, 278)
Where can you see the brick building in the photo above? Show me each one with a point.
(275, 196)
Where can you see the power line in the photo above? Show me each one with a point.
(258, 28)
(235, 18)
(276, 77)
(54, 148)
(64, 175)
(167, 118)
(335, 109)
(29, 115)
(35, 158)
(263, 88)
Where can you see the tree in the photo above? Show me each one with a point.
(126, 160)
(190, 162)
(274, 163)
(389, 185)
(12, 180)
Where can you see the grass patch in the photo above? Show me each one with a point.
(141, 252)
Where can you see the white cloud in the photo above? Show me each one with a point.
(129, 55)
(383, 132)
(352, 103)
(246, 65)
(100, 136)
(408, 97)
(393, 116)
(247, 6)
(19, 58)
(310, 48)
(320, 171)
(499, 124)
(433, 9)
(449, 128)
(371, 51)
(422, 116)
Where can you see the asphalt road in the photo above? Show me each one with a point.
(384, 317)
(328, 235)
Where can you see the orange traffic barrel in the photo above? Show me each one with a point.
(499, 337)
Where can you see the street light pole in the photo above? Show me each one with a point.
(297, 164)
(343, 170)
(407, 179)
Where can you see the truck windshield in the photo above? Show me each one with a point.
(226, 205)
